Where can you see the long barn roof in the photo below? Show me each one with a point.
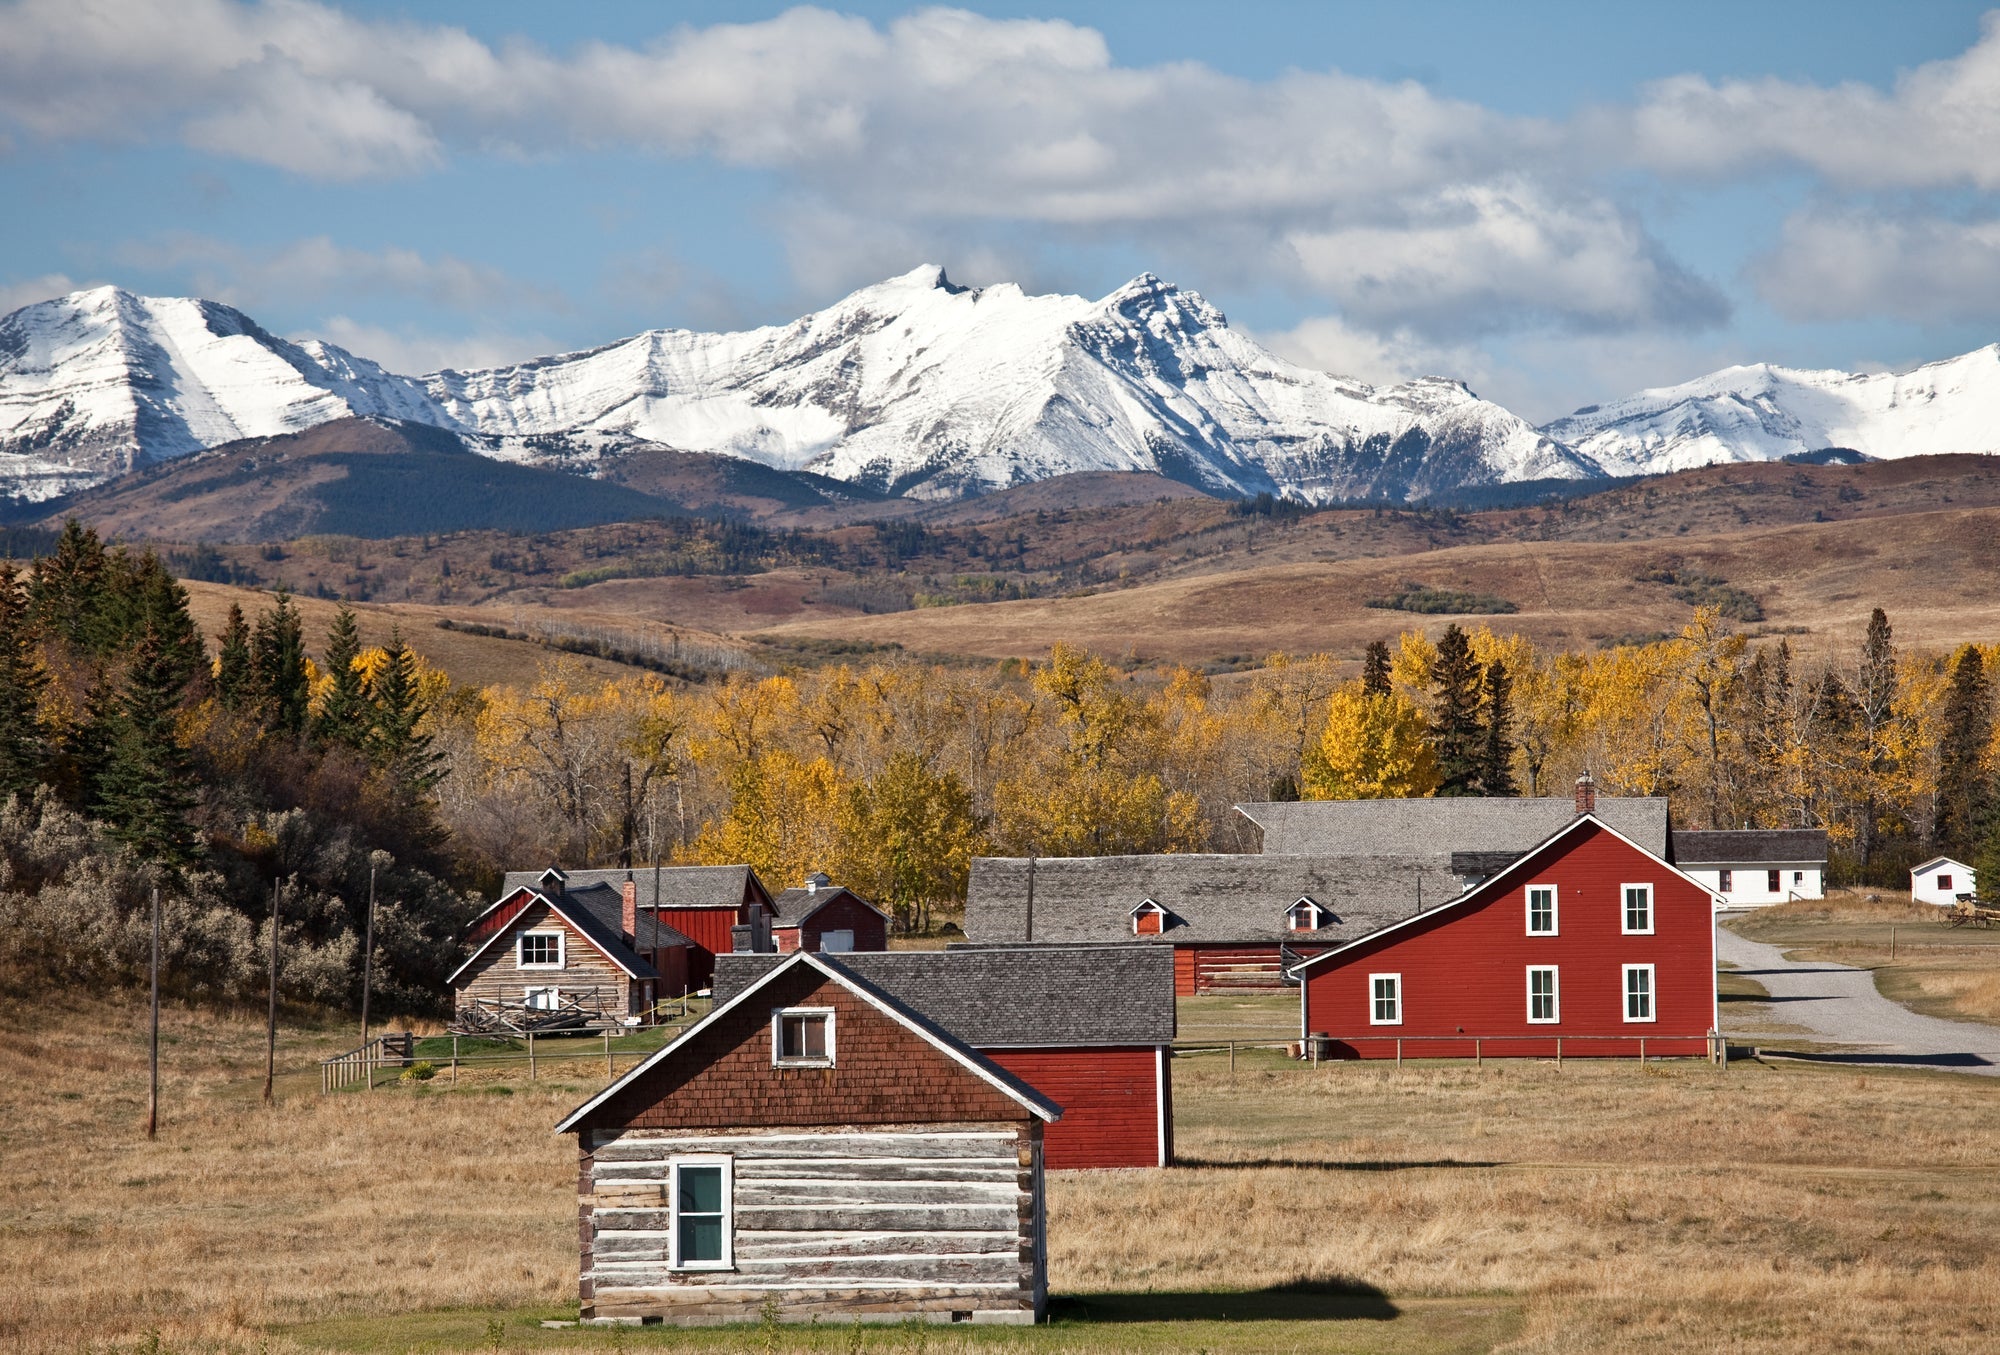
(1750, 847)
(678, 886)
(1378, 828)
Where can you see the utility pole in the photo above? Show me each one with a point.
(271, 1027)
(368, 956)
(153, 1086)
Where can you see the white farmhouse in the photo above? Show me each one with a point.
(1941, 880)
(1755, 867)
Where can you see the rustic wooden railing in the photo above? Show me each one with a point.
(396, 1049)
(358, 1066)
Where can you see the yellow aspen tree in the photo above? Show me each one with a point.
(1374, 746)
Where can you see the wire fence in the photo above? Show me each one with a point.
(1320, 1047)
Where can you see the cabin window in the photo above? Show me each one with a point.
(1944, 882)
(837, 942)
(1798, 877)
(539, 950)
(1774, 880)
(1544, 998)
(703, 1231)
(1302, 916)
(1385, 999)
(802, 1037)
(1639, 992)
(1638, 920)
(1541, 910)
(1725, 880)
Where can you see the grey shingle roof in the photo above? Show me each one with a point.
(1013, 997)
(1217, 898)
(679, 886)
(1468, 824)
(794, 904)
(1750, 847)
(606, 903)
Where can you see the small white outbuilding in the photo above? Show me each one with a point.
(1941, 880)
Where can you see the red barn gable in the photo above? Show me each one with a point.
(1588, 938)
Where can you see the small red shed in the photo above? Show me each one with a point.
(1588, 940)
(823, 916)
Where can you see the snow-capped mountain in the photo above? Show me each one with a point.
(1762, 413)
(97, 382)
(915, 385)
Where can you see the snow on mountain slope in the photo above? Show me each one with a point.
(922, 387)
(100, 381)
(1764, 412)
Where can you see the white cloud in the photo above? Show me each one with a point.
(1842, 265)
(26, 292)
(317, 267)
(415, 352)
(1328, 343)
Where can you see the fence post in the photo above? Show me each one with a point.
(1642, 1050)
(454, 1060)
(607, 1052)
(1399, 1051)
(1559, 1053)
(1232, 1058)
(531, 1056)
(1478, 1059)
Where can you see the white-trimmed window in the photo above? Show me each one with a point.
(539, 950)
(1725, 880)
(1636, 917)
(1541, 910)
(802, 1037)
(1303, 916)
(702, 1192)
(1544, 995)
(1385, 999)
(541, 999)
(1148, 919)
(1639, 993)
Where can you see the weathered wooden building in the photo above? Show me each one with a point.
(700, 903)
(821, 915)
(1090, 1027)
(816, 1143)
(1755, 867)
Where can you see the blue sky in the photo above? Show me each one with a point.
(1558, 203)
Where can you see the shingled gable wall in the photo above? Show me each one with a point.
(895, 1184)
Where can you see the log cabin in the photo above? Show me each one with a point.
(700, 903)
(821, 915)
(1586, 946)
(1090, 1027)
(813, 1143)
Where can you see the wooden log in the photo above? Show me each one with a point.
(856, 1218)
(864, 1143)
(819, 1194)
(761, 1246)
(877, 1169)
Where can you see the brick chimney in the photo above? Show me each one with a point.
(1586, 795)
(630, 920)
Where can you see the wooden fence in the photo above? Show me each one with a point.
(358, 1067)
(394, 1050)
(1321, 1048)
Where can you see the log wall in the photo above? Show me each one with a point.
(940, 1222)
(499, 978)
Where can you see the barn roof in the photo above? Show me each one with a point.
(923, 1027)
(1939, 861)
(1013, 997)
(678, 886)
(1750, 847)
(609, 939)
(606, 903)
(1446, 824)
(797, 904)
(1221, 898)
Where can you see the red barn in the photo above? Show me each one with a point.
(1588, 938)
(821, 915)
(1089, 1027)
(700, 903)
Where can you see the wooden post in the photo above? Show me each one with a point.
(607, 1051)
(454, 1060)
(153, 1084)
(1232, 1058)
(1559, 1053)
(1892, 941)
(368, 955)
(531, 1056)
(1399, 1051)
(1478, 1059)
(271, 1026)
(1642, 1049)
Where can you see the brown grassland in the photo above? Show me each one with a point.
(1671, 1208)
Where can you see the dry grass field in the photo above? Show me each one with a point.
(1939, 970)
(1670, 1208)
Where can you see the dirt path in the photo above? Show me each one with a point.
(1838, 1004)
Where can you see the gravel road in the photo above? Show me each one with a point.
(1839, 1005)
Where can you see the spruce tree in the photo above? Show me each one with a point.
(235, 682)
(1496, 764)
(398, 744)
(278, 662)
(1375, 668)
(146, 789)
(66, 593)
(345, 713)
(23, 751)
(1875, 696)
(1963, 798)
(1457, 732)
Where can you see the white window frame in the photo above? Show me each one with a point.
(521, 945)
(1555, 995)
(1148, 908)
(1312, 911)
(728, 1164)
(1373, 1018)
(778, 1059)
(1652, 994)
(528, 997)
(1625, 926)
(1725, 881)
(1555, 910)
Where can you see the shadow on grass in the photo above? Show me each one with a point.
(1337, 1298)
(1321, 1165)
(1766, 997)
(1884, 1060)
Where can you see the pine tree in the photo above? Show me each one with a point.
(278, 662)
(345, 713)
(66, 593)
(1375, 668)
(1457, 732)
(398, 744)
(1496, 765)
(1968, 725)
(146, 789)
(235, 682)
(23, 751)
(1875, 697)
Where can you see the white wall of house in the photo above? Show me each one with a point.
(1942, 882)
(1754, 886)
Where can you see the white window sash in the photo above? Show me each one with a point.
(1555, 915)
(728, 1164)
(521, 949)
(778, 1058)
(1651, 993)
(1625, 926)
(1555, 995)
(1395, 982)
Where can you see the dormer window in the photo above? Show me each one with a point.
(1304, 916)
(1148, 919)
(552, 881)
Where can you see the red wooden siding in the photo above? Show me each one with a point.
(1464, 970)
(871, 930)
(708, 928)
(498, 919)
(1233, 969)
(1109, 1098)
